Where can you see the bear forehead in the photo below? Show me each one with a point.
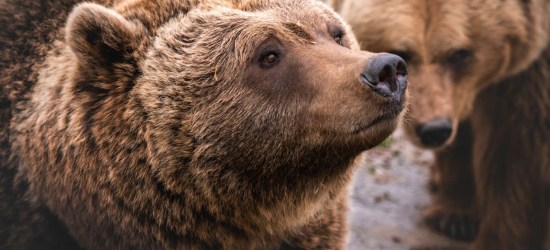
(296, 16)
(229, 25)
(154, 14)
(434, 27)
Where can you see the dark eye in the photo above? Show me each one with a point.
(459, 56)
(338, 40)
(404, 55)
(269, 59)
(336, 32)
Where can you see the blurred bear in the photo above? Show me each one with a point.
(480, 92)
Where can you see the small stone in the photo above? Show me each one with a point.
(381, 177)
(381, 197)
(396, 239)
(371, 169)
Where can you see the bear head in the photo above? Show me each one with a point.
(454, 49)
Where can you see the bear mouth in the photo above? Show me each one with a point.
(378, 120)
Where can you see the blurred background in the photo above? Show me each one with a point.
(389, 195)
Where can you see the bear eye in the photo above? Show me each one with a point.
(269, 58)
(459, 56)
(337, 33)
(404, 55)
(338, 40)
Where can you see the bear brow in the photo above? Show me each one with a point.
(298, 30)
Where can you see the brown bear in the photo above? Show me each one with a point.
(481, 99)
(185, 124)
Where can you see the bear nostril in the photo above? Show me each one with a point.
(386, 75)
(435, 133)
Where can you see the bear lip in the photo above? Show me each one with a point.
(378, 120)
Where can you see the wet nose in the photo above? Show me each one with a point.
(435, 132)
(386, 75)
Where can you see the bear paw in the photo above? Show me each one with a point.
(458, 224)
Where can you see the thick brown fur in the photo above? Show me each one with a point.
(145, 124)
(493, 175)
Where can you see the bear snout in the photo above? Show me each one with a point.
(436, 132)
(386, 75)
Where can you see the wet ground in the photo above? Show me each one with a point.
(389, 196)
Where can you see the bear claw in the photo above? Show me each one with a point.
(461, 226)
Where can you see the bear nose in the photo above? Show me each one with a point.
(386, 74)
(435, 132)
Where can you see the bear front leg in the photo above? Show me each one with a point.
(452, 212)
(512, 199)
(511, 162)
(327, 231)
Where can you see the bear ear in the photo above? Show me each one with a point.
(336, 5)
(101, 36)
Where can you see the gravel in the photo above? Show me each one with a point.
(389, 196)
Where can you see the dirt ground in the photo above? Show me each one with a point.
(389, 196)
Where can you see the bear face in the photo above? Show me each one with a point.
(454, 49)
(201, 125)
(301, 90)
(297, 106)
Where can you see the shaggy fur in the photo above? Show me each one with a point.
(145, 124)
(484, 64)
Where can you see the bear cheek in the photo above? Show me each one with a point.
(463, 96)
(483, 73)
